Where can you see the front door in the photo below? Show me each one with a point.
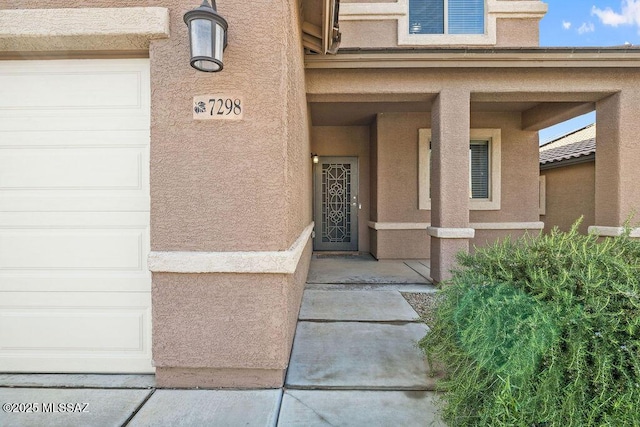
(336, 204)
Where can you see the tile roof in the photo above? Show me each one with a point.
(571, 146)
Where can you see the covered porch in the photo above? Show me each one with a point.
(412, 119)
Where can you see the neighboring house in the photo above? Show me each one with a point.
(136, 237)
(568, 180)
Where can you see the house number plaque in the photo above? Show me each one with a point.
(218, 107)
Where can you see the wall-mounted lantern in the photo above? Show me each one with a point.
(315, 158)
(207, 37)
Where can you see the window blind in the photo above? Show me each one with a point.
(466, 16)
(479, 159)
(426, 16)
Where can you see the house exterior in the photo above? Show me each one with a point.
(139, 236)
(568, 180)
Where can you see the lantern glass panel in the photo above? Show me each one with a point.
(201, 38)
(219, 42)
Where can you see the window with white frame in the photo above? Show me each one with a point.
(484, 169)
(446, 16)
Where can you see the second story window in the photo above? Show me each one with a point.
(446, 16)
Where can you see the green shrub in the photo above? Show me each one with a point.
(542, 331)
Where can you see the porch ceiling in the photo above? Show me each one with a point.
(545, 86)
(360, 113)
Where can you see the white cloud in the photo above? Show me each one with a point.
(566, 25)
(586, 28)
(629, 14)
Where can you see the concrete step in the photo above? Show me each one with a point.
(402, 287)
(362, 271)
(87, 407)
(316, 408)
(378, 306)
(188, 408)
(358, 356)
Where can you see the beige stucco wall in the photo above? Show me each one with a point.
(373, 171)
(375, 33)
(396, 172)
(234, 186)
(221, 186)
(225, 158)
(204, 173)
(517, 32)
(519, 196)
(225, 330)
(379, 23)
(384, 33)
(570, 194)
(231, 186)
(349, 141)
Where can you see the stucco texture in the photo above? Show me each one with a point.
(204, 172)
(207, 325)
(513, 29)
(517, 32)
(617, 155)
(220, 186)
(614, 91)
(396, 179)
(570, 194)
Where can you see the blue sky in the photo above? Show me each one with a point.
(588, 23)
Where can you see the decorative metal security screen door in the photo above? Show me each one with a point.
(336, 204)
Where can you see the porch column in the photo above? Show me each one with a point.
(449, 231)
(617, 159)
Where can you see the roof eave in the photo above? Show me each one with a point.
(478, 57)
(568, 162)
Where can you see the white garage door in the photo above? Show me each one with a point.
(74, 216)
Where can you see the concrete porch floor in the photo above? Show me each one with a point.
(354, 363)
(363, 269)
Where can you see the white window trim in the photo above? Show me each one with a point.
(448, 38)
(542, 189)
(495, 164)
(399, 11)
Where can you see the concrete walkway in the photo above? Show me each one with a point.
(354, 363)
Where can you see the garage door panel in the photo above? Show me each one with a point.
(81, 168)
(60, 249)
(86, 121)
(74, 216)
(75, 138)
(73, 281)
(74, 201)
(104, 327)
(74, 219)
(44, 89)
(74, 251)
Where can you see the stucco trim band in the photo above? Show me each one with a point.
(451, 233)
(612, 231)
(266, 262)
(107, 29)
(482, 58)
(474, 225)
(538, 225)
(399, 225)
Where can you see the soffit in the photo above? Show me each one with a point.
(360, 113)
(320, 32)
